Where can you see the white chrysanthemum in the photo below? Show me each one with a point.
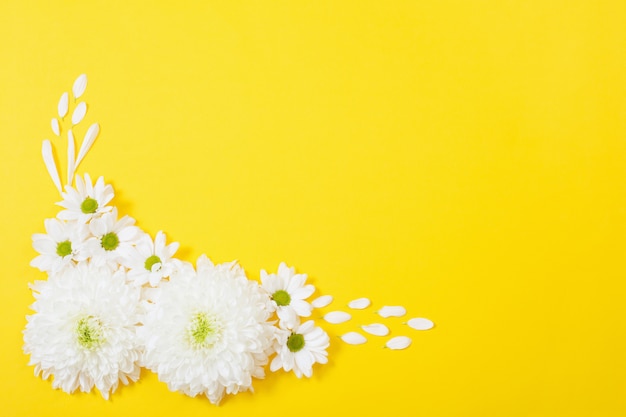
(61, 247)
(300, 348)
(112, 239)
(150, 262)
(207, 332)
(288, 294)
(83, 332)
(86, 201)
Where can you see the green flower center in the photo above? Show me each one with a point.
(89, 333)
(89, 205)
(151, 261)
(110, 241)
(281, 297)
(295, 342)
(64, 248)
(203, 330)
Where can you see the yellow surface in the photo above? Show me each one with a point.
(465, 159)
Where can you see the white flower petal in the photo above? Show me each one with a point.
(63, 105)
(353, 338)
(392, 311)
(48, 159)
(79, 113)
(336, 317)
(398, 343)
(88, 140)
(420, 323)
(79, 85)
(55, 126)
(322, 301)
(376, 329)
(359, 303)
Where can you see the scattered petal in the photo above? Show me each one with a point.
(420, 323)
(376, 329)
(398, 343)
(88, 140)
(392, 311)
(63, 105)
(48, 160)
(55, 126)
(359, 303)
(79, 113)
(79, 86)
(322, 301)
(71, 154)
(353, 338)
(336, 317)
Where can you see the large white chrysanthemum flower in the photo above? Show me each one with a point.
(208, 332)
(86, 201)
(288, 294)
(112, 239)
(150, 262)
(61, 247)
(83, 332)
(300, 348)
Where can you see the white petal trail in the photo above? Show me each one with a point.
(353, 338)
(336, 317)
(88, 140)
(376, 329)
(79, 113)
(79, 85)
(398, 343)
(392, 311)
(322, 301)
(359, 303)
(56, 129)
(48, 159)
(420, 323)
(63, 105)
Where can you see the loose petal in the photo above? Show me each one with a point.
(420, 323)
(48, 159)
(79, 86)
(376, 329)
(392, 311)
(55, 126)
(353, 338)
(63, 105)
(336, 317)
(79, 113)
(322, 301)
(88, 141)
(71, 154)
(398, 343)
(359, 303)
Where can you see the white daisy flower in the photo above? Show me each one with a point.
(150, 262)
(83, 332)
(300, 348)
(288, 292)
(61, 247)
(208, 332)
(86, 201)
(112, 239)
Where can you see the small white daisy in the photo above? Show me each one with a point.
(288, 294)
(300, 348)
(112, 239)
(83, 332)
(61, 247)
(86, 201)
(150, 262)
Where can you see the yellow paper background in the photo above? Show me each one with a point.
(465, 159)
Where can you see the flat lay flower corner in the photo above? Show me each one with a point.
(116, 299)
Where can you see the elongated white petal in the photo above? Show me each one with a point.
(322, 301)
(359, 303)
(56, 129)
(88, 140)
(79, 113)
(398, 343)
(420, 323)
(354, 338)
(336, 317)
(71, 155)
(63, 105)
(392, 311)
(377, 329)
(48, 159)
(79, 85)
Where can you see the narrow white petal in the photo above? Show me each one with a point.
(322, 301)
(71, 154)
(376, 329)
(79, 85)
(79, 113)
(392, 311)
(56, 129)
(63, 105)
(88, 140)
(353, 338)
(420, 323)
(398, 343)
(336, 317)
(359, 303)
(48, 159)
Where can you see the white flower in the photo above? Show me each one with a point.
(300, 348)
(86, 201)
(288, 293)
(83, 330)
(152, 261)
(207, 332)
(112, 239)
(61, 247)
